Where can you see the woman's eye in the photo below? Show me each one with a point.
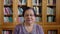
(29, 15)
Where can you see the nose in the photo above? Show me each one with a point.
(29, 16)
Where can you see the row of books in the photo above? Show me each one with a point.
(8, 19)
(37, 10)
(38, 19)
(7, 2)
(39, 2)
(51, 2)
(52, 32)
(22, 2)
(7, 10)
(20, 10)
(21, 19)
(50, 18)
(36, 2)
(50, 11)
(6, 32)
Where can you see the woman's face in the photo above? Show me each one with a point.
(29, 16)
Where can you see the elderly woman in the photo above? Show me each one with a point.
(29, 26)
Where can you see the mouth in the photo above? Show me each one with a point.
(28, 20)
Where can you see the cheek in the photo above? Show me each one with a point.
(33, 18)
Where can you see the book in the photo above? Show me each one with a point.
(50, 18)
(6, 19)
(10, 10)
(36, 2)
(23, 2)
(38, 19)
(49, 2)
(40, 2)
(7, 2)
(20, 10)
(19, 2)
(54, 2)
(10, 19)
(7, 11)
(52, 32)
(4, 2)
(50, 11)
(20, 19)
(36, 10)
(6, 32)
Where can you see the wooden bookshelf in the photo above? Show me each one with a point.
(49, 17)
(0, 31)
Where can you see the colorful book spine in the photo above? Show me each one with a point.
(7, 11)
(20, 10)
(50, 11)
(38, 19)
(34, 2)
(23, 2)
(7, 2)
(50, 2)
(52, 32)
(20, 19)
(19, 2)
(8, 19)
(50, 19)
(6, 32)
(36, 10)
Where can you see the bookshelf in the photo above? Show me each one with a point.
(37, 5)
(47, 14)
(7, 32)
(53, 30)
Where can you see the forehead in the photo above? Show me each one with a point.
(29, 11)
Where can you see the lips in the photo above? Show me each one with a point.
(28, 20)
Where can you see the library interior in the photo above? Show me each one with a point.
(47, 14)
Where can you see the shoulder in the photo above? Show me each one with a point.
(18, 26)
(38, 26)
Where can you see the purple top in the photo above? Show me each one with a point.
(20, 29)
